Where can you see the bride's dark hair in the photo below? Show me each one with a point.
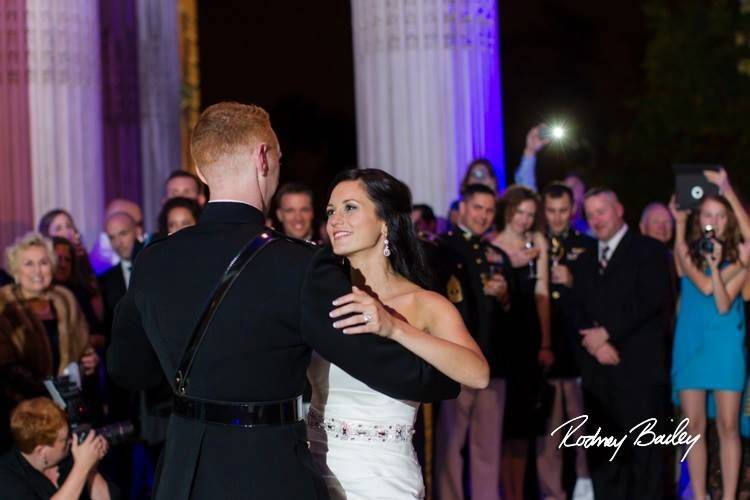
(392, 199)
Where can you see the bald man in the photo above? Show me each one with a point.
(123, 233)
(657, 222)
(102, 255)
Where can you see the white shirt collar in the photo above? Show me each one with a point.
(612, 243)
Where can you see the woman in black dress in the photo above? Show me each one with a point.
(528, 348)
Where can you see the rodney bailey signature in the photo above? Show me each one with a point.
(646, 437)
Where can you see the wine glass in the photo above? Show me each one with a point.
(532, 263)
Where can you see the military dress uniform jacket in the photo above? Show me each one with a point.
(257, 349)
(571, 246)
(464, 267)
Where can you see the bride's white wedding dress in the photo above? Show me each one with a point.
(360, 439)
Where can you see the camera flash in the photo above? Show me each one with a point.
(558, 132)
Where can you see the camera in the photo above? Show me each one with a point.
(553, 132)
(706, 243)
(67, 395)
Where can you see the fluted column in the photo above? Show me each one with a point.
(121, 118)
(427, 77)
(65, 110)
(16, 204)
(159, 81)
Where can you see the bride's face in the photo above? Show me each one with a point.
(353, 224)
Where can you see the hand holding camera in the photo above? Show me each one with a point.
(535, 141)
(88, 452)
(710, 247)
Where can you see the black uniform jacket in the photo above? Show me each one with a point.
(257, 349)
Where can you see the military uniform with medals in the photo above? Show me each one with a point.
(565, 250)
(464, 269)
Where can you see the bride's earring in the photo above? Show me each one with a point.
(386, 248)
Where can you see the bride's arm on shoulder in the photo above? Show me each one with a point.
(447, 344)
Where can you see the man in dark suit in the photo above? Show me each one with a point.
(251, 364)
(123, 232)
(621, 309)
(477, 284)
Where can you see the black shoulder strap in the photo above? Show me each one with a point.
(240, 261)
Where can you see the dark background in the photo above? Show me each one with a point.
(579, 61)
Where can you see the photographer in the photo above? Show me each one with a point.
(40, 465)
(708, 356)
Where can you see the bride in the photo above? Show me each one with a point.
(361, 439)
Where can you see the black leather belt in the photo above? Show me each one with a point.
(287, 411)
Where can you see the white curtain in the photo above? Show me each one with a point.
(65, 110)
(159, 82)
(427, 79)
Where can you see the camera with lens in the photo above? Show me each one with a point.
(706, 241)
(67, 395)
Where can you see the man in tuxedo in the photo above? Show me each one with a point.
(235, 430)
(478, 286)
(621, 310)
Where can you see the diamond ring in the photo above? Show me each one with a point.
(367, 317)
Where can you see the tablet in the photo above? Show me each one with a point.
(691, 185)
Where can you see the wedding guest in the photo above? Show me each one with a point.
(621, 308)
(708, 355)
(529, 347)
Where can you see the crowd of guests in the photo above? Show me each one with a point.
(576, 312)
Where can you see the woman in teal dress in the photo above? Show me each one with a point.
(709, 354)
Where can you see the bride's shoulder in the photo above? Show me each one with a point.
(427, 299)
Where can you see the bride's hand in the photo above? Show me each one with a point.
(367, 314)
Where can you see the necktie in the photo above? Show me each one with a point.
(603, 259)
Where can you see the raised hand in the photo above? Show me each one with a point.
(680, 216)
(719, 178)
(534, 141)
(743, 250)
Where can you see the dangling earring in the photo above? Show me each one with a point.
(386, 248)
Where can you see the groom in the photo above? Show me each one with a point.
(236, 432)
